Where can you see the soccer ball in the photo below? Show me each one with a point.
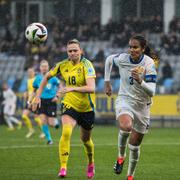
(36, 33)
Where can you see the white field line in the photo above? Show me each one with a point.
(78, 145)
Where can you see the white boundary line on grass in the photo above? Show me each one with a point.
(78, 145)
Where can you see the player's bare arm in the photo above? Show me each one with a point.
(88, 88)
(56, 98)
(30, 101)
(37, 100)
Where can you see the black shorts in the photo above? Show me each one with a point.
(84, 119)
(48, 108)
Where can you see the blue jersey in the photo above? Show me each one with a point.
(51, 88)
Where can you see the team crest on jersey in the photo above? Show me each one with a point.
(79, 70)
(90, 71)
(48, 86)
(152, 70)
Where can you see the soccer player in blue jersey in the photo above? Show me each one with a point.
(47, 109)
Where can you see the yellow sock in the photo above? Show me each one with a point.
(64, 145)
(38, 121)
(89, 149)
(27, 121)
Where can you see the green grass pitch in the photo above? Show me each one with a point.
(32, 159)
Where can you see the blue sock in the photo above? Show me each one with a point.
(46, 131)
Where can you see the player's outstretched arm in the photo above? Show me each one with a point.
(88, 88)
(29, 102)
(37, 100)
(108, 69)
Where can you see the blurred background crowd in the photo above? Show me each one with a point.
(99, 36)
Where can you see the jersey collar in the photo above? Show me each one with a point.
(136, 62)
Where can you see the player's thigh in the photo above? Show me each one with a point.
(67, 119)
(141, 119)
(125, 122)
(51, 121)
(43, 118)
(124, 114)
(26, 112)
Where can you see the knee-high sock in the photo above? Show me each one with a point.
(8, 121)
(27, 121)
(46, 131)
(134, 153)
(122, 142)
(64, 145)
(38, 121)
(89, 149)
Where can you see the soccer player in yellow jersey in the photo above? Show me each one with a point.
(78, 103)
(26, 111)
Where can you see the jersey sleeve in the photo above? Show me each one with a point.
(149, 83)
(109, 62)
(55, 70)
(56, 81)
(35, 83)
(116, 58)
(89, 70)
(151, 74)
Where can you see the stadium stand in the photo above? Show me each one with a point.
(23, 84)
(98, 41)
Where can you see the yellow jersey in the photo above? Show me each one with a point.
(75, 76)
(30, 88)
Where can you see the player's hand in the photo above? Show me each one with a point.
(36, 103)
(136, 73)
(108, 88)
(64, 90)
(29, 104)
